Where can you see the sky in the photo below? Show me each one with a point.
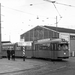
(19, 16)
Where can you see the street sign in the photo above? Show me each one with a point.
(29, 43)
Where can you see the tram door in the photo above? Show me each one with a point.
(36, 52)
(54, 51)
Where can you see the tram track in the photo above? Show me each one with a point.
(43, 69)
(37, 69)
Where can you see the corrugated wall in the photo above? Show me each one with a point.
(39, 33)
(72, 45)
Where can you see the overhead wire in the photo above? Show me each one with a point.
(31, 4)
(58, 13)
(60, 3)
(53, 2)
(57, 10)
(17, 10)
(65, 4)
(25, 11)
(47, 17)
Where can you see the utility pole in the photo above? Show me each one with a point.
(56, 22)
(56, 25)
(53, 2)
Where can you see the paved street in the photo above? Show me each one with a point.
(37, 67)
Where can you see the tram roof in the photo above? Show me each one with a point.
(50, 40)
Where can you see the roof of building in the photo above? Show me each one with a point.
(65, 30)
(58, 29)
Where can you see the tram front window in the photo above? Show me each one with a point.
(63, 47)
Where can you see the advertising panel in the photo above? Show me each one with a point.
(28, 43)
(65, 36)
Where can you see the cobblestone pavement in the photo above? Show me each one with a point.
(44, 67)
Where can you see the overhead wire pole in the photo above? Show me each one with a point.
(56, 17)
(53, 2)
(56, 25)
(57, 10)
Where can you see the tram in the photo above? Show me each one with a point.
(11, 46)
(52, 49)
(18, 49)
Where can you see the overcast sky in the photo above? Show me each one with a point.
(19, 16)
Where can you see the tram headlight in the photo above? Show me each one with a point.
(64, 53)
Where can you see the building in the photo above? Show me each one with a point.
(45, 32)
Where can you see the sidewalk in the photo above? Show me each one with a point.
(7, 66)
(18, 65)
(10, 65)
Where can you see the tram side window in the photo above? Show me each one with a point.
(53, 46)
(44, 47)
(28, 47)
(37, 47)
